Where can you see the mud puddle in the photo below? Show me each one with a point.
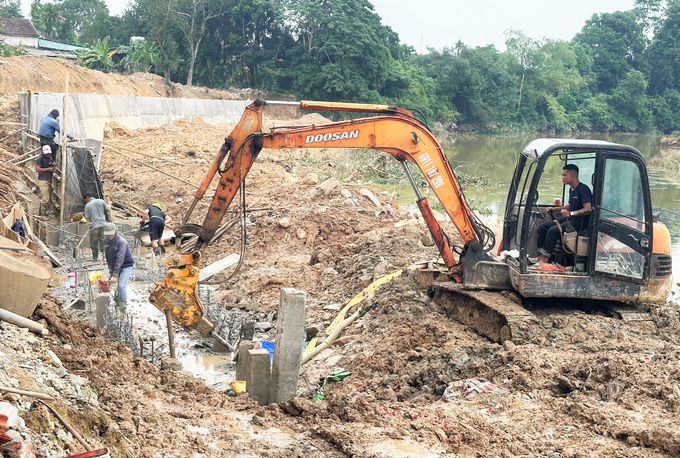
(243, 427)
(148, 323)
(191, 349)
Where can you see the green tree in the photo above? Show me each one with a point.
(10, 8)
(66, 20)
(664, 53)
(162, 28)
(528, 53)
(246, 45)
(194, 15)
(341, 50)
(139, 57)
(472, 85)
(629, 104)
(615, 42)
(97, 56)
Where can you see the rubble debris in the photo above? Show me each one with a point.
(369, 195)
(312, 179)
(328, 185)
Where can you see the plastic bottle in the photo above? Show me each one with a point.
(72, 279)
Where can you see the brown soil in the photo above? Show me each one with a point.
(586, 385)
(37, 74)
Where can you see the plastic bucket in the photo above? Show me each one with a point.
(104, 286)
(269, 346)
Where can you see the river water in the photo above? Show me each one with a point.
(491, 159)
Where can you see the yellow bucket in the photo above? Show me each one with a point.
(239, 386)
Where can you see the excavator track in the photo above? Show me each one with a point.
(502, 315)
(499, 316)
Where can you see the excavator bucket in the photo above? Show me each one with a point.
(177, 293)
(499, 316)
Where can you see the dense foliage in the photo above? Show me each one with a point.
(620, 72)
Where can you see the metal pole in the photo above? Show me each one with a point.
(64, 157)
(282, 103)
(171, 333)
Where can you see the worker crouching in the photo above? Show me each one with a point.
(119, 261)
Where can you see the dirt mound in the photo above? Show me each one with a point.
(44, 74)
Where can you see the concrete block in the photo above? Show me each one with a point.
(257, 381)
(102, 302)
(242, 360)
(24, 278)
(290, 329)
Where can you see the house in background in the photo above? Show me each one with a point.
(17, 32)
(20, 32)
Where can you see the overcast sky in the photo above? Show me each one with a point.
(439, 23)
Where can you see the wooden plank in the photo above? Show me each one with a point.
(217, 266)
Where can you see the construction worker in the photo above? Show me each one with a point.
(49, 126)
(157, 220)
(119, 261)
(95, 213)
(44, 166)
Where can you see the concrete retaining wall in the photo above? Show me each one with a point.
(87, 113)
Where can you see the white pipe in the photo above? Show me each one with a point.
(22, 322)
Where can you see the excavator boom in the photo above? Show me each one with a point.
(397, 132)
(394, 130)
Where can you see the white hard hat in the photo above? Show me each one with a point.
(46, 149)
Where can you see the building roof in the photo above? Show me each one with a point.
(56, 46)
(17, 27)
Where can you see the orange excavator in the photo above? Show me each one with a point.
(623, 256)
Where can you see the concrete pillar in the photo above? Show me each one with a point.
(257, 380)
(290, 330)
(243, 361)
(102, 302)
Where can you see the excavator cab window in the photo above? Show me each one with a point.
(623, 242)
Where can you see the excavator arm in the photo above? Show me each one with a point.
(393, 130)
(397, 133)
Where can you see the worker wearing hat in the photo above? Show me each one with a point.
(44, 167)
(157, 219)
(49, 127)
(119, 261)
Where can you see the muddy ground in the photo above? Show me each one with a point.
(586, 384)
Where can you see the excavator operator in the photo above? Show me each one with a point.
(578, 208)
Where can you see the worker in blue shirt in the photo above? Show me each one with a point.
(49, 126)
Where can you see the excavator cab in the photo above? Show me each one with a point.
(621, 254)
